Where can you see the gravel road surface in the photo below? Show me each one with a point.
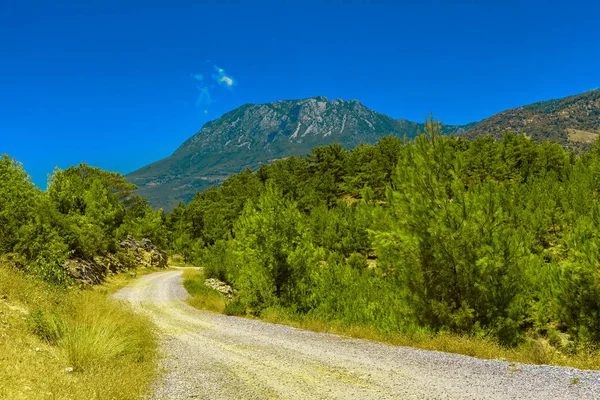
(212, 356)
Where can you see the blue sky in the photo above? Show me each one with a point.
(120, 84)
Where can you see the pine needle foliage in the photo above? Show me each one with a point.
(493, 239)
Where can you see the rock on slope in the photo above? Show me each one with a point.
(131, 254)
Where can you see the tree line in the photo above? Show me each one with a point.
(493, 238)
(84, 213)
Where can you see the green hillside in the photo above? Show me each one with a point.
(573, 121)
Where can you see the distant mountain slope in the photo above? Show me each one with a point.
(572, 121)
(255, 134)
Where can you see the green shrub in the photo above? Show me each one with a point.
(235, 307)
(46, 325)
(217, 260)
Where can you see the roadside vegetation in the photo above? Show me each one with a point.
(531, 351)
(83, 214)
(486, 248)
(202, 296)
(59, 343)
(57, 339)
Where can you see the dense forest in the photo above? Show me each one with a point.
(492, 238)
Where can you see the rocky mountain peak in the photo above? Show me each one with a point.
(297, 121)
(255, 134)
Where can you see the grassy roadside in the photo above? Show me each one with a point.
(202, 296)
(70, 344)
(115, 282)
(531, 352)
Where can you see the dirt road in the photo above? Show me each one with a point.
(212, 356)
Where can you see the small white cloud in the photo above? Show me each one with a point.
(204, 112)
(226, 80)
(198, 77)
(223, 79)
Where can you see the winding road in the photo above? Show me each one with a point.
(213, 356)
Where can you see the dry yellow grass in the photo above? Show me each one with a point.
(111, 350)
(576, 135)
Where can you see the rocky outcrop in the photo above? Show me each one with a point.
(143, 253)
(132, 254)
(220, 287)
(89, 272)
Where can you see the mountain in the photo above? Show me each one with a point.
(255, 134)
(572, 121)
